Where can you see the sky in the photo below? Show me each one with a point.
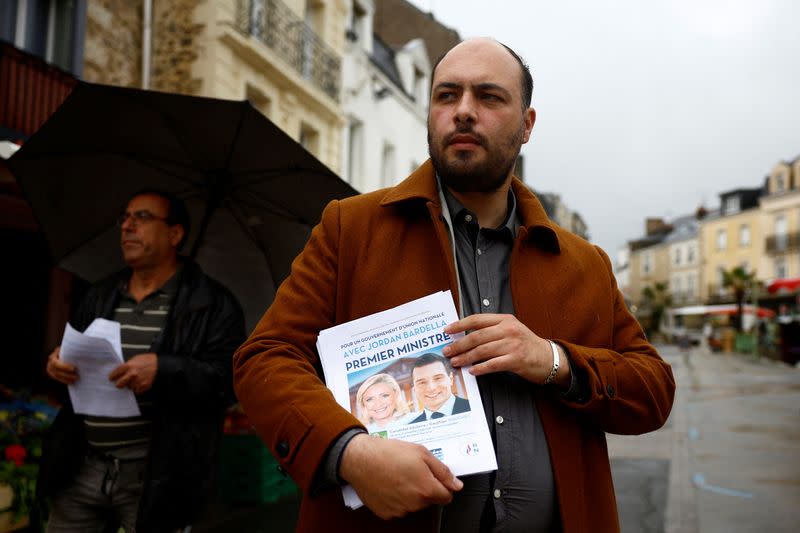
(648, 109)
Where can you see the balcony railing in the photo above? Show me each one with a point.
(785, 242)
(277, 26)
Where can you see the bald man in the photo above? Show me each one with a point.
(559, 359)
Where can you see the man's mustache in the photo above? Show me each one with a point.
(480, 139)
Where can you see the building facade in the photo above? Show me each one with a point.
(781, 221)
(385, 102)
(284, 56)
(729, 238)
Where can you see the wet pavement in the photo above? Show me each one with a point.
(732, 446)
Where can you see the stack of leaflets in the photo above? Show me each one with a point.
(388, 370)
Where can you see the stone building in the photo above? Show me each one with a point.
(283, 55)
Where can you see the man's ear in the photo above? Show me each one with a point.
(176, 233)
(530, 120)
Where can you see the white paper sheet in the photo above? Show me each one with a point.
(96, 353)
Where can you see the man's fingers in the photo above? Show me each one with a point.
(481, 352)
(118, 372)
(443, 474)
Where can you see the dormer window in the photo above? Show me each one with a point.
(780, 183)
(732, 205)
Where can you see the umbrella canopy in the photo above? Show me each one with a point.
(252, 192)
(784, 285)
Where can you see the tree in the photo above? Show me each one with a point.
(656, 299)
(738, 280)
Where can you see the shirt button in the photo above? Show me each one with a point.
(499, 420)
(486, 302)
(497, 493)
(468, 218)
(479, 251)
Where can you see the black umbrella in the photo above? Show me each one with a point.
(253, 193)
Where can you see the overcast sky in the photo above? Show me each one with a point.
(648, 108)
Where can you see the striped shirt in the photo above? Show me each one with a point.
(140, 326)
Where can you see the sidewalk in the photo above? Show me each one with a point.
(732, 446)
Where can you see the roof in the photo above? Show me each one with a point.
(383, 57)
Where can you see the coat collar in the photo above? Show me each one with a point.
(535, 225)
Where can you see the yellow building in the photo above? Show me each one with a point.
(283, 56)
(729, 238)
(781, 221)
(649, 261)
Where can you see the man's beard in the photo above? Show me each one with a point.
(461, 174)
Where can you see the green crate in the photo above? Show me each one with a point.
(249, 473)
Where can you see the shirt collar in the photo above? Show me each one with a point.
(445, 409)
(170, 287)
(456, 208)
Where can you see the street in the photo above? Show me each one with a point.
(727, 460)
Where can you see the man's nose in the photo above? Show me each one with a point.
(465, 108)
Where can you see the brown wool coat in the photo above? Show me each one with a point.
(378, 250)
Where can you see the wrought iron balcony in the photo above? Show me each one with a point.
(280, 29)
(785, 242)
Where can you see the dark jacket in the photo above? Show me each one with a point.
(191, 390)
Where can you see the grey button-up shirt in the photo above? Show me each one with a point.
(520, 495)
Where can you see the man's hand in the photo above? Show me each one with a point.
(499, 343)
(394, 478)
(137, 373)
(59, 370)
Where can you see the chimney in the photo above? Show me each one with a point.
(654, 225)
(701, 213)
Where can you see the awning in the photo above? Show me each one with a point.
(784, 285)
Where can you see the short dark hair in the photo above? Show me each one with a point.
(525, 71)
(431, 358)
(176, 210)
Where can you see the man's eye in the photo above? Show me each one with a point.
(490, 97)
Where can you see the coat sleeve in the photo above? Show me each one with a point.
(277, 374)
(630, 388)
(202, 379)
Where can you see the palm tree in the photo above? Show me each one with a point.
(656, 299)
(739, 281)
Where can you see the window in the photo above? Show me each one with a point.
(677, 257)
(647, 262)
(360, 26)
(690, 254)
(722, 239)
(51, 29)
(257, 18)
(781, 232)
(388, 173)
(309, 138)
(780, 268)
(721, 290)
(355, 152)
(780, 182)
(676, 287)
(691, 285)
(744, 236)
(731, 205)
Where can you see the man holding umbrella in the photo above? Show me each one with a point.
(179, 331)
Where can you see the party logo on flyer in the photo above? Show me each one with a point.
(469, 448)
